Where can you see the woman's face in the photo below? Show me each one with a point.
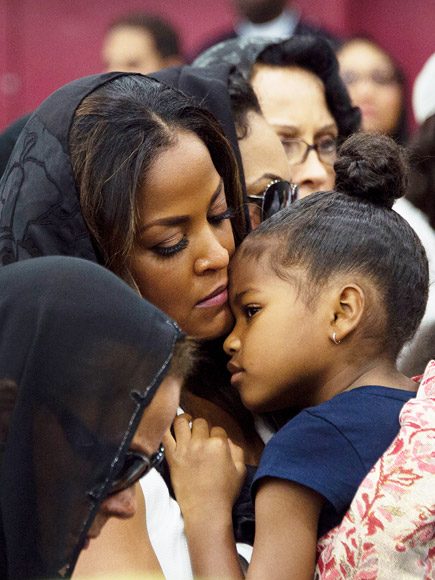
(293, 102)
(184, 239)
(264, 160)
(371, 81)
(156, 420)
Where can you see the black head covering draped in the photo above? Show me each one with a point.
(87, 355)
(39, 202)
(48, 222)
(242, 52)
(208, 87)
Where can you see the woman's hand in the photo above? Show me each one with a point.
(207, 469)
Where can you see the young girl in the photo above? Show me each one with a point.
(325, 294)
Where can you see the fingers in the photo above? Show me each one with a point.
(186, 430)
(169, 442)
(200, 429)
(218, 432)
(237, 454)
(181, 428)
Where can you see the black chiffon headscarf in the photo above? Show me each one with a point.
(39, 204)
(40, 212)
(81, 357)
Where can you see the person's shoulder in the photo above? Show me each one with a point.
(212, 41)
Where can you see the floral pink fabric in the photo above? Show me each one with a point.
(388, 532)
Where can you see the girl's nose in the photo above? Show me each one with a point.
(231, 344)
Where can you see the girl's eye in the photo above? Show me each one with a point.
(167, 251)
(251, 310)
(220, 217)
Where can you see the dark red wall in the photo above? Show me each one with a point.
(46, 43)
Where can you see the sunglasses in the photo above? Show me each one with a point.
(277, 195)
(135, 466)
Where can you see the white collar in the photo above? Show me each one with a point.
(281, 27)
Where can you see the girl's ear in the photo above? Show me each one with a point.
(348, 311)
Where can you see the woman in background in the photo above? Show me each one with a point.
(376, 85)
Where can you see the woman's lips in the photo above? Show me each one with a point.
(235, 378)
(216, 298)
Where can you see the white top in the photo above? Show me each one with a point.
(166, 530)
(278, 28)
(420, 224)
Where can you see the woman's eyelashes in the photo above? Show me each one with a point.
(167, 251)
(216, 219)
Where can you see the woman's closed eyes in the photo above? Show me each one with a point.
(167, 248)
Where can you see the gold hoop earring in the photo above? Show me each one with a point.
(335, 339)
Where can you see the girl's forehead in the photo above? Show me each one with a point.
(244, 267)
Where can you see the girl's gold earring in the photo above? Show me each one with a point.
(335, 339)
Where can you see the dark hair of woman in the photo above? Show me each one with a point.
(117, 133)
(243, 101)
(354, 229)
(316, 55)
(422, 176)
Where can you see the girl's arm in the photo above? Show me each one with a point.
(203, 465)
(286, 521)
(207, 472)
(123, 548)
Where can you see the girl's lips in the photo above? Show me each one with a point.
(235, 378)
(216, 299)
(236, 373)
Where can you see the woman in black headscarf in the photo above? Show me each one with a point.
(85, 400)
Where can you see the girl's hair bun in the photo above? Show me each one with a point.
(372, 167)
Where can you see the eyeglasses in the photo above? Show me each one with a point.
(297, 150)
(135, 466)
(277, 195)
(378, 77)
